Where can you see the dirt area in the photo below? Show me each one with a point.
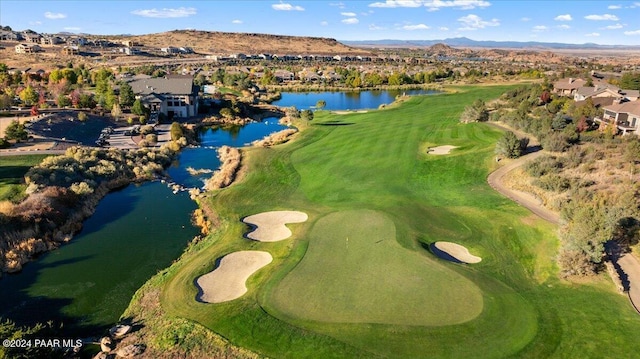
(270, 226)
(228, 281)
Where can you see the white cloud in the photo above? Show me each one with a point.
(54, 16)
(287, 7)
(375, 27)
(416, 27)
(72, 28)
(539, 28)
(632, 33)
(525, 19)
(236, 22)
(607, 17)
(340, 4)
(614, 7)
(612, 27)
(433, 5)
(35, 23)
(350, 14)
(443, 28)
(166, 13)
(635, 5)
(566, 17)
(564, 26)
(474, 22)
(593, 34)
(350, 21)
(324, 23)
(397, 3)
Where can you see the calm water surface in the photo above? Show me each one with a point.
(345, 100)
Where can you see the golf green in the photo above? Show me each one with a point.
(356, 272)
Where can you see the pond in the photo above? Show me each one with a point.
(355, 100)
(87, 283)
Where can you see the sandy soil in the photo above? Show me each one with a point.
(457, 251)
(228, 281)
(441, 150)
(346, 112)
(270, 226)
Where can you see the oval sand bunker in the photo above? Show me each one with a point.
(441, 150)
(228, 281)
(270, 226)
(457, 252)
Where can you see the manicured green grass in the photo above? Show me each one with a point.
(375, 168)
(360, 274)
(12, 171)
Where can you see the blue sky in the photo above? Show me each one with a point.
(602, 22)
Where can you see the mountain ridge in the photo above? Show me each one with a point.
(467, 42)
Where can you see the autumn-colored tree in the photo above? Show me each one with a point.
(34, 111)
(29, 96)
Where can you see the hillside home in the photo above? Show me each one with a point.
(50, 40)
(27, 48)
(625, 116)
(10, 36)
(71, 50)
(170, 50)
(605, 90)
(172, 95)
(283, 75)
(568, 86)
(32, 38)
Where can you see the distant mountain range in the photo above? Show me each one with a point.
(466, 42)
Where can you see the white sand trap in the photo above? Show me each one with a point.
(457, 251)
(270, 226)
(228, 281)
(441, 150)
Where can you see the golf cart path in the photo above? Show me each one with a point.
(628, 263)
(526, 200)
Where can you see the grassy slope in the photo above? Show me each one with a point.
(12, 170)
(376, 163)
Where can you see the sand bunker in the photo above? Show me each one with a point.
(228, 281)
(456, 251)
(441, 150)
(270, 226)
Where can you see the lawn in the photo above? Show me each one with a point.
(12, 171)
(366, 177)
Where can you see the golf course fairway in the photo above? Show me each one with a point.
(357, 279)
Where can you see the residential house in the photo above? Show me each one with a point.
(32, 38)
(583, 93)
(568, 86)
(170, 50)
(77, 41)
(10, 36)
(71, 50)
(172, 95)
(27, 48)
(625, 116)
(129, 51)
(50, 40)
(283, 75)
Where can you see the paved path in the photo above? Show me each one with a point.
(526, 200)
(631, 267)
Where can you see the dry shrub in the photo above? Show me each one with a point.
(6, 208)
(575, 263)
(275, 138)
(230, 158)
